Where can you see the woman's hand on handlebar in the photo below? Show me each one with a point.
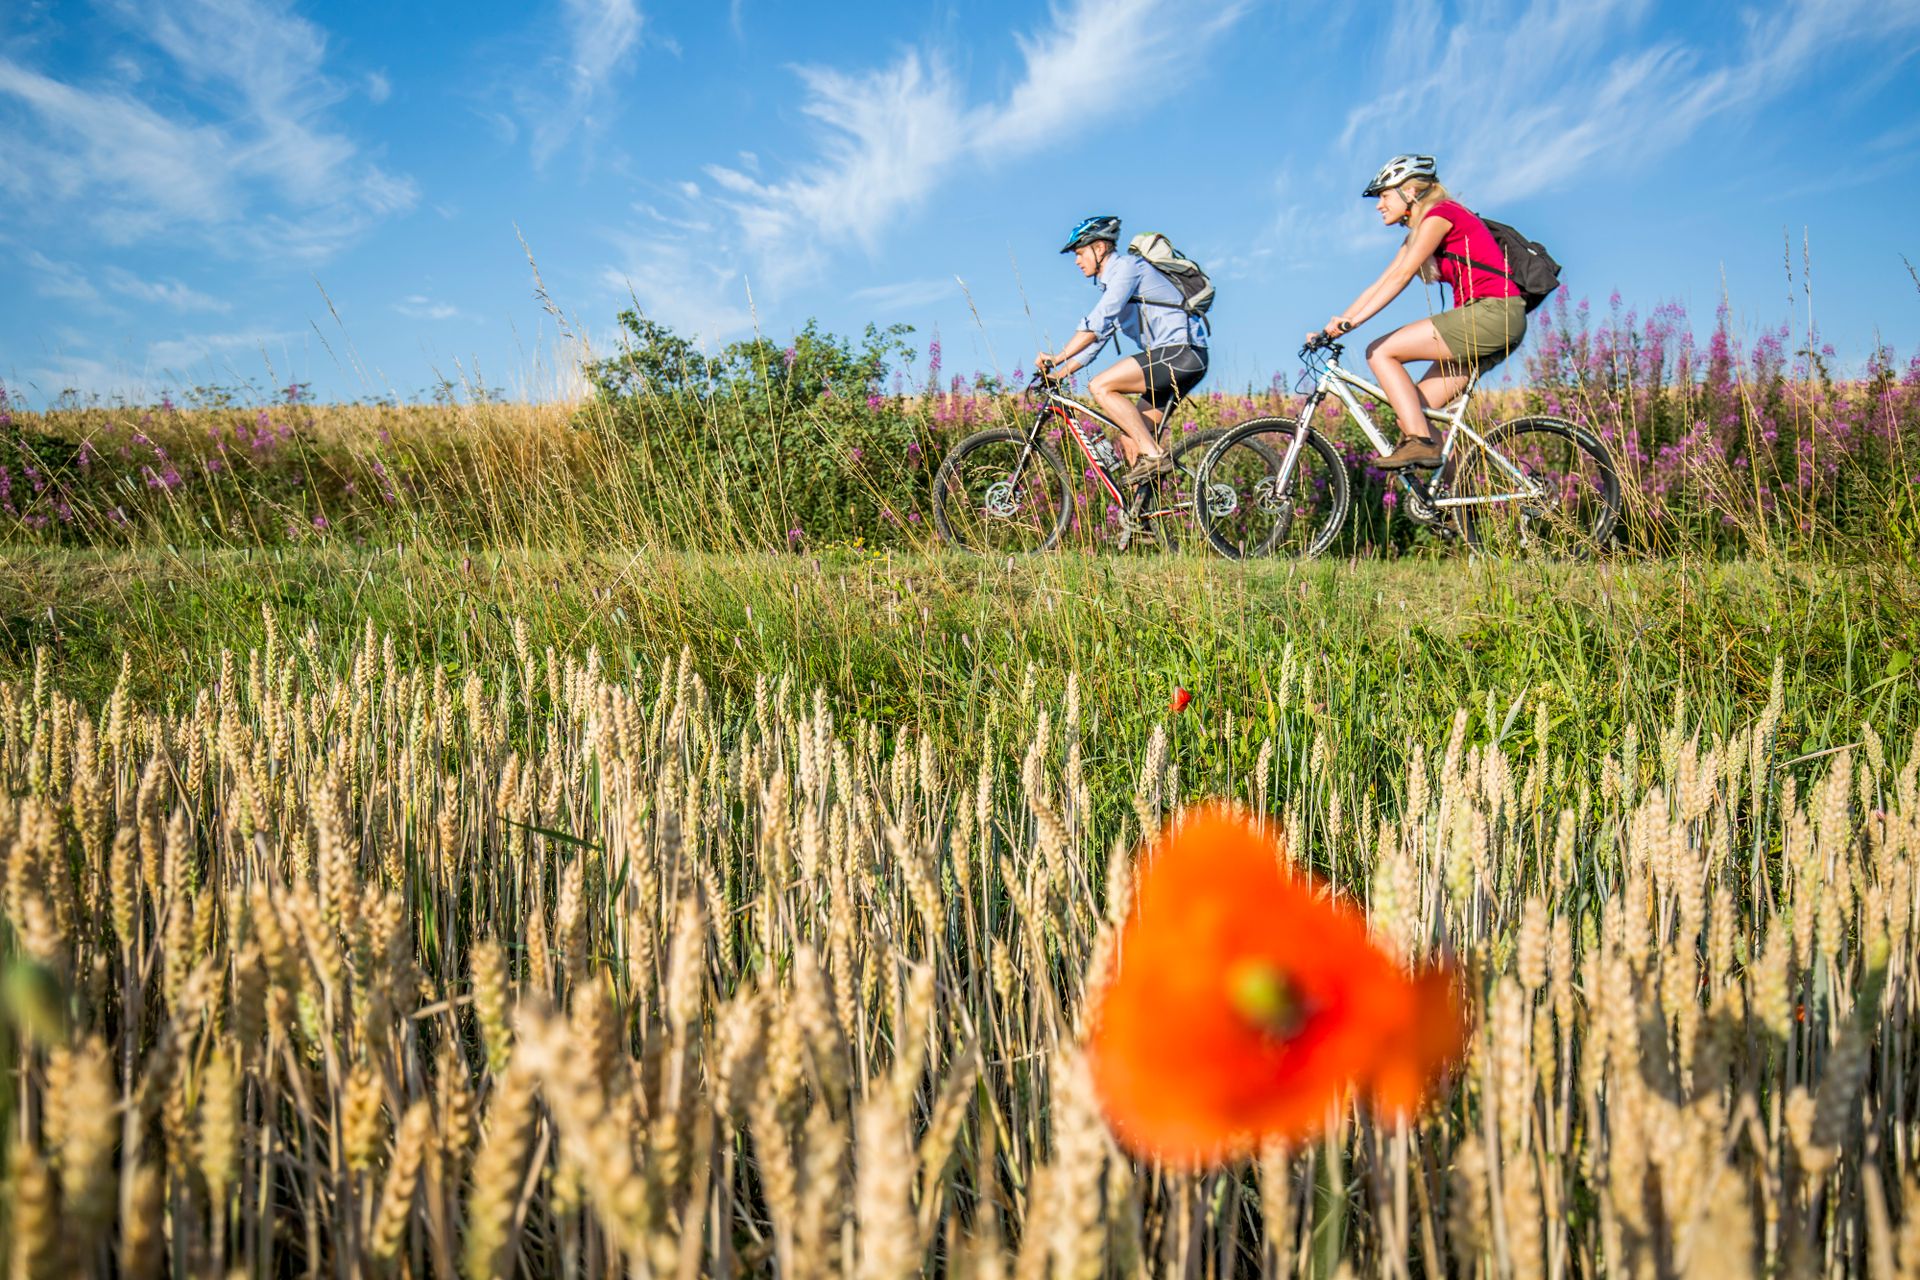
(1332, 331)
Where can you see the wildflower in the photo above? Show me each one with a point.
(856, 453)
(793, 537)
(1180, 700)
(874, 402)
(1245, 1003)
(320, 522)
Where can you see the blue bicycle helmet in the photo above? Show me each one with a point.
(1087, 230)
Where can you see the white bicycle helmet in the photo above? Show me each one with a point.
(1398, 170)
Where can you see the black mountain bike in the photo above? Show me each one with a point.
(1009, 490)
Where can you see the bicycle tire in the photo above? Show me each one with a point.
(1035, 514)
(1260, 520)
(1577, 517)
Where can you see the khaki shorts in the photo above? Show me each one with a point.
(1483, 331)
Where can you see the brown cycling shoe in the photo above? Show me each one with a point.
(1412, 452)
(1149, 467)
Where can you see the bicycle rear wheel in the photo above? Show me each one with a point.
(1244, 509)
(1545, 487)
(1001, 492)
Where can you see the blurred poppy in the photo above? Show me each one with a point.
(1180, 700)
(1245, 1001)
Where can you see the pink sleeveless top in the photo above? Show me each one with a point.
(1470, 238)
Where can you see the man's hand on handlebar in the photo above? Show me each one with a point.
(1045, 367)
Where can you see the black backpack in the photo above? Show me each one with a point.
(1529, 265)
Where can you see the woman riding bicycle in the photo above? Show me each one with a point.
(1173, 343)
(1445, 242)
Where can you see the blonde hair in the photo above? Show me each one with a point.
(1430, 195)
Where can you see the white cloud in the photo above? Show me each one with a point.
(704, 301)
(84, 375)
(167, 293)
(888, 138)
(175, 354)
(891, 136)
(601, 38)
(62, 280)
(257, 164)
(420, 307)
(1577, 93)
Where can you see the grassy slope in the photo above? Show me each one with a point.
(1384, 652)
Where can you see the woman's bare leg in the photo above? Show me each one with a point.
(1388, 358)
(1442, 382)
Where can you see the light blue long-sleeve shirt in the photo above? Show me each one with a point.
(1127, 276)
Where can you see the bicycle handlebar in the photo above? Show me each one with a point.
(1321, 342)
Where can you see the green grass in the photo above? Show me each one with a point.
(1363, 657)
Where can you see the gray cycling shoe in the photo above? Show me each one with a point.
(1147, 468)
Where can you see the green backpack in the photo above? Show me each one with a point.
(1196, 290)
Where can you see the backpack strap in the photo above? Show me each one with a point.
(1478, 266)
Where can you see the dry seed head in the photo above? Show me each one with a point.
(83, 1098)
(403, 1175)
(1530, 949)
(489, 977)
(142, 1238)
(686, 967)
(822, 1204)
(889, 1238)
(219, 1124)
(38, 1250)
(497, 1173)
(1079, 1165)
(361, 1118)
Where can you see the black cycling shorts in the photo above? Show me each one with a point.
(1172, 372)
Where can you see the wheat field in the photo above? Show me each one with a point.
(343, 966)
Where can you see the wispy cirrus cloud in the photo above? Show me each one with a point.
(61, 280)
(886, 139)
(417, 306)
(70, 282)
(168, 293)
(240, 149)
(175, 355)
(1579, 90)
(601, 38)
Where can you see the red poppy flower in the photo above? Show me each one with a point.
(1180, 700)
(1245, 1001)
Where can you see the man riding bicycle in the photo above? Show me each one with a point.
(1173, 343)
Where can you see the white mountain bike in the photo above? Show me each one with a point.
(1535, 485)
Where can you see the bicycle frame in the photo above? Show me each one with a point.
(1342, 385)
(1061, 407)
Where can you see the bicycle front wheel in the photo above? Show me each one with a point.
(1540, 487)
(1244, 508)
(1001, 492)
(1170, 509)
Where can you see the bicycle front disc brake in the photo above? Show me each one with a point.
(1000, 501)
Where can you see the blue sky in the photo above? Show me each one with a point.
(254, 192)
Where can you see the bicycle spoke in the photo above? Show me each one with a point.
(1564, 503)
(995, 493)
(1251, 512)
